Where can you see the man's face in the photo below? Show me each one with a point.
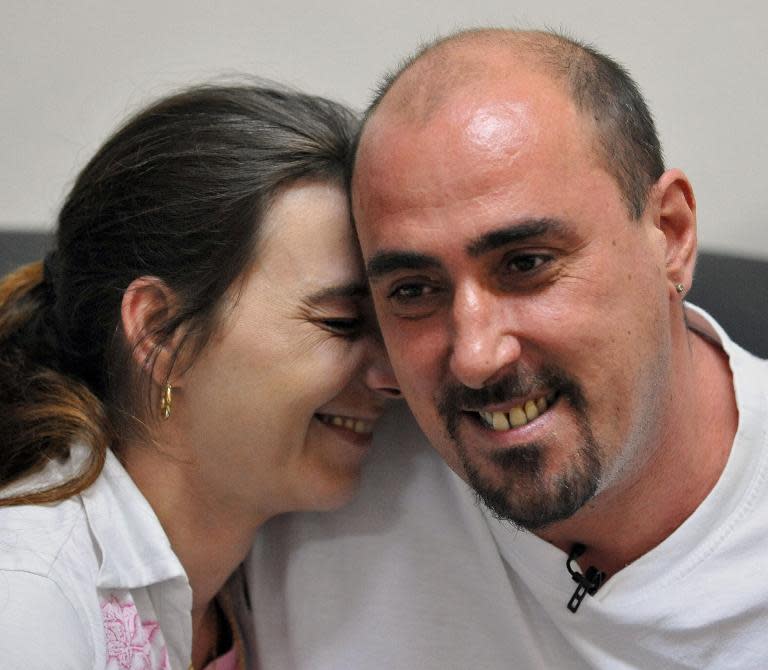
(525, 314)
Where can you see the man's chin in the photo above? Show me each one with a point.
(520, 490)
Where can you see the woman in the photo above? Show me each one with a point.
(195, 357)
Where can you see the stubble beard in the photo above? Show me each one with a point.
(521, 490)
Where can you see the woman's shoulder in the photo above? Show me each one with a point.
(48, 597)
(40, 621)
(37, 539)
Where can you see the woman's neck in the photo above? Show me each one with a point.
(209, 539)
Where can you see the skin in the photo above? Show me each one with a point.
(504, 267)
(245, 441)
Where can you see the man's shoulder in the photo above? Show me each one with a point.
(385, 570)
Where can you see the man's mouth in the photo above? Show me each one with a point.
(516, 416)
(359, 426)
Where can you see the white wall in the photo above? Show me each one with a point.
(70, 71)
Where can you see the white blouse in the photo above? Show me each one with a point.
(92, 581)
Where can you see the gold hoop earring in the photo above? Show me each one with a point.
(166, 401)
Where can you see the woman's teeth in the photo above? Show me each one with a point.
(355, 425)
(517, 416)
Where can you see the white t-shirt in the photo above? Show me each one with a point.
(416, 575)
(92, 581)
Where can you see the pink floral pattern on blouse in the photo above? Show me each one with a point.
(129, 639)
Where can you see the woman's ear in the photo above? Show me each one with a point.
(147, 303)
(677, 221)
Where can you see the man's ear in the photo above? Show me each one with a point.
(677, 221)
(147, 303)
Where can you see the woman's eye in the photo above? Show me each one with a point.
(348, 327)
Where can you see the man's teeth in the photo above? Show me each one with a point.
(355, 425)
(517, 416)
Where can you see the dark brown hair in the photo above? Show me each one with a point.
(177, 194)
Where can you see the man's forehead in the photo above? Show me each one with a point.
(487, 117)
(492, 106)
(484, 130)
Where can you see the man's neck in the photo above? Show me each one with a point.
(629, 519)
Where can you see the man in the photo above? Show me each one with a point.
(528, 256)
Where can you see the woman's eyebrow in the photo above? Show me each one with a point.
(354, 289)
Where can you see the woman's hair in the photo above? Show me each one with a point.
(177, 193)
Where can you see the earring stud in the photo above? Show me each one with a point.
(680, 288)
(166, 401)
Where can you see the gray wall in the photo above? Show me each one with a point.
(72, 70)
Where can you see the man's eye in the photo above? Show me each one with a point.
(524, 262)
(415, 298)
(410, 292)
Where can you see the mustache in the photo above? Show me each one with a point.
(457, 398)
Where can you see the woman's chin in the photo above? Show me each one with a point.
(331, 486)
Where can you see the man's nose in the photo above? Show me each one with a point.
(484, 342)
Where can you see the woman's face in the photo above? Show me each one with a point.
(279, 407)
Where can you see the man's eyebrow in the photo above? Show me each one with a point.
(515, 233)
(351, 290)
(385, 262)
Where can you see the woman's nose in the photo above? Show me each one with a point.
(379, 376)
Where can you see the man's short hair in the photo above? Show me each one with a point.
(627, 141)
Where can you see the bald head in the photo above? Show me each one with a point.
(426, 81)
(469, 62)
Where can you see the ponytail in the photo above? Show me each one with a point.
(43, 412)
